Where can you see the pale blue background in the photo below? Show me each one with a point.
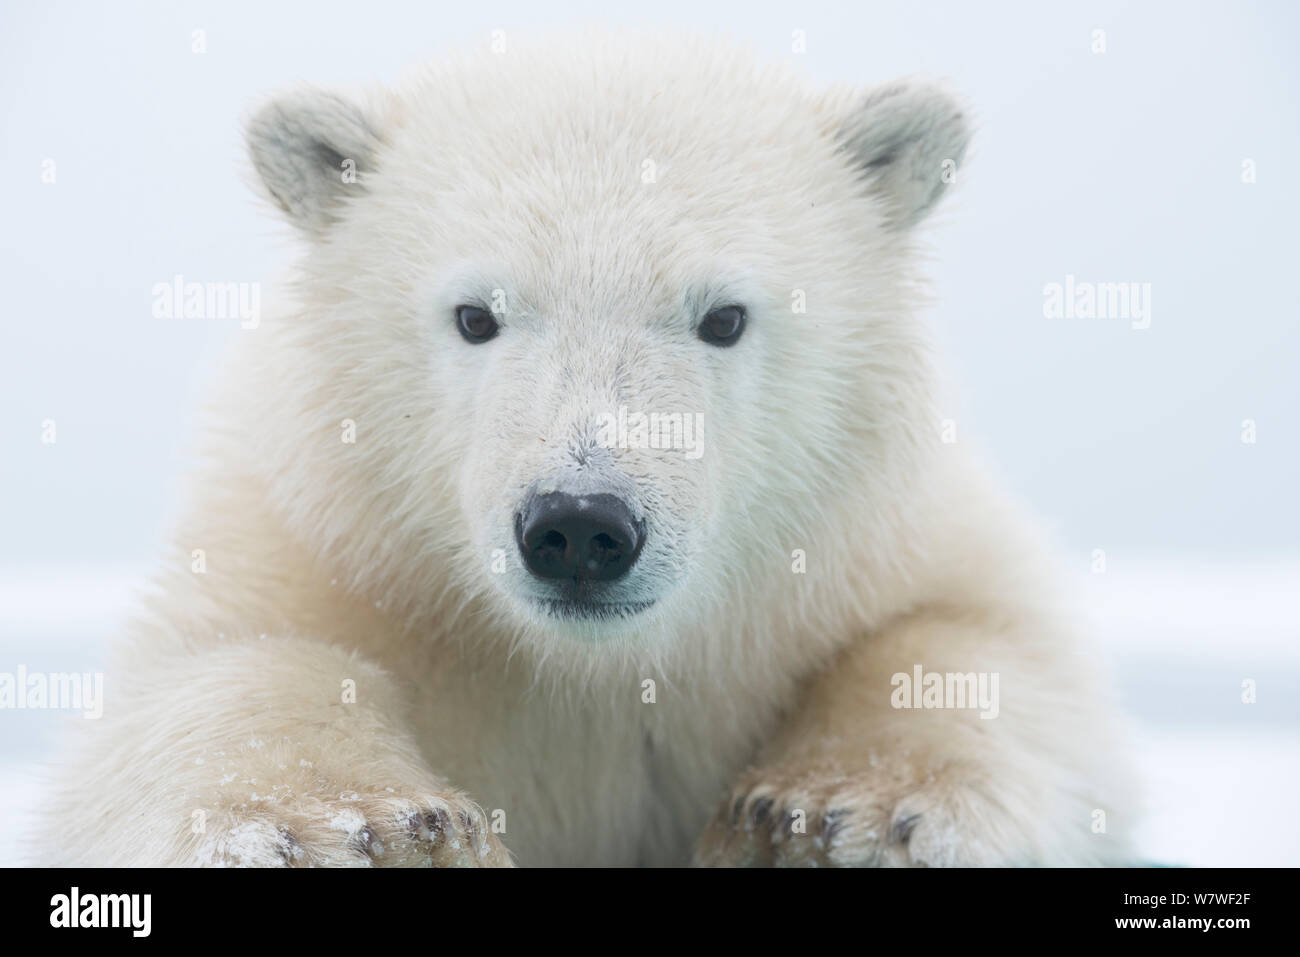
(1118, 167)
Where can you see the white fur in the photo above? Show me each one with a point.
(523, 172)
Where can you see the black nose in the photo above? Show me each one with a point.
(587, 537)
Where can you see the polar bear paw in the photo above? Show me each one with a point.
(386, 830)
(824, 817)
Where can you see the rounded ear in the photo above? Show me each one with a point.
(908, 138)
(312, 149)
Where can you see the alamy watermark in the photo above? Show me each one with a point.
(179, 299)
(1098, 300)
(950, 690)
(54, 691)
(75, 909)
(677, 431)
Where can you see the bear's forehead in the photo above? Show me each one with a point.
(635, 172)
(605, 129)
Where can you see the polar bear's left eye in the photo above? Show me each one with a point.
(723, 326)
(475, 324)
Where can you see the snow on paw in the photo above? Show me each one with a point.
(372, 830)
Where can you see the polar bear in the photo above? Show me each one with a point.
(583, 501)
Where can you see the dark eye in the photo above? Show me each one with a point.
(723, 326)
(475, 324)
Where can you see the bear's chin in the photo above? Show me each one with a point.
(581, 610)
(588, 620)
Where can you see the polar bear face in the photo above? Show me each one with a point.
(621, 327)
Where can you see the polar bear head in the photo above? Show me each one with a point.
(620, 325)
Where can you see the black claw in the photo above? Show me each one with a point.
(438, 822)
(903, 828)
(290, 849)
(413, 823)
(786, 829)
(365, 840)
(760, 812)
(735, 811)
(832, 822)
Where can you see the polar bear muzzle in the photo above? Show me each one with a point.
(581, 538)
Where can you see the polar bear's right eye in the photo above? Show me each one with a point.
(476, 324)
(723, 326)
